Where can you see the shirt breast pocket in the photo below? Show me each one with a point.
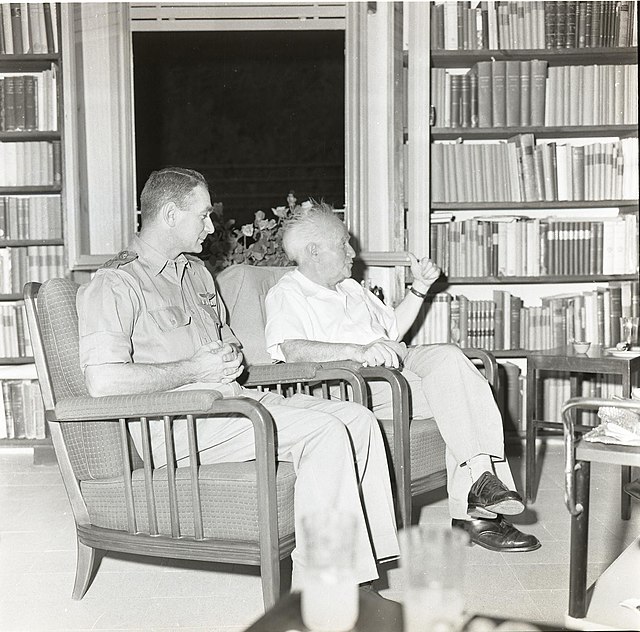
(170, 318)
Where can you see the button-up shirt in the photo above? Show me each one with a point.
(150, 309)
(298, 308)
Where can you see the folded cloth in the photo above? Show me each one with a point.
(619, 426)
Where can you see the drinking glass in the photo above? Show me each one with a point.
(629, 330)
(329, 601)
(433, 565)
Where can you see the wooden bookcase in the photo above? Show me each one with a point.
(419, 138)
(31, 207)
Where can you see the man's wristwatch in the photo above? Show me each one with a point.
(418, 294)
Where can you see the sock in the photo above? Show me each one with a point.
(478, 465)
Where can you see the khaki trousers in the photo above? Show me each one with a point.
(447, 386)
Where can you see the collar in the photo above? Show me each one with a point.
(154, 258)
(311, 288)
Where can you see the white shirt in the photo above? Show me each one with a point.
(300, 309)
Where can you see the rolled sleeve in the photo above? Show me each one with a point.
(106, 315)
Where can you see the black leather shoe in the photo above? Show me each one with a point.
(489, 496)
(497, 535)
(633, 488)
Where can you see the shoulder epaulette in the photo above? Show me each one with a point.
(121, 259)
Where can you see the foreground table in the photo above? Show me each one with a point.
(376, 615)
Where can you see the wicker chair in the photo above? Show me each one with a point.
(416, 447)
(240, 513)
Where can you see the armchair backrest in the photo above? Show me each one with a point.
(243, 289)
(93, 447)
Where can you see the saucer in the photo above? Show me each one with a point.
(629, 353)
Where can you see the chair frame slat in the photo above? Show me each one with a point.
(171, 477)
(148, 477)
(198, 527)
(126, 476)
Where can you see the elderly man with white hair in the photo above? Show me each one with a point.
(317, 312)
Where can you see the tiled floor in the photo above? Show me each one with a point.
(37, 560)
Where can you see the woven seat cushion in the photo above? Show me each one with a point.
(427, 446)
(228, 494)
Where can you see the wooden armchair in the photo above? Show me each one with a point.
(416, 448)
(238, 513)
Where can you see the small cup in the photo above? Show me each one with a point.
(580, 346)
(329, 600)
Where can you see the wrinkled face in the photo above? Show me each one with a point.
(335, 254)
(194, 221)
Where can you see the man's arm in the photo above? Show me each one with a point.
(377, 353)
(425, 274)
(212, 363)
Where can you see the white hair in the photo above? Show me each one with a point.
(306, 225)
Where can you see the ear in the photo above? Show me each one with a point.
(311, 250)
(169, 213)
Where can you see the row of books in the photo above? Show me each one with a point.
(556, 390)
(521, 170)
(21, 410)
(30, 217)
(522, 93)
(592, 95)
(30, 263)
(29, 102)
(28, 27)
(529, 25)
(508, 246)
(14, 341)
(32, 163)
(505, 323)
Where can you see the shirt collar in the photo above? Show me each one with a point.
(155, 259)
(311, 288)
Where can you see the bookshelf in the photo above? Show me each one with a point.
(491, 82)
(31, 209)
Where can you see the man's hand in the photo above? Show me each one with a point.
(217, 362)
(425, 273)
(383, 353)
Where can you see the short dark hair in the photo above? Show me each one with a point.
(171, 184)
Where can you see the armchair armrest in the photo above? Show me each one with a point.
(310, 373)
(568, 427)
(141, 405)
(489, 365)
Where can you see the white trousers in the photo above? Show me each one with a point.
(447, 386)
(338, 454)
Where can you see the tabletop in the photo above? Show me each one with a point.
(597, 356)
(376, 615)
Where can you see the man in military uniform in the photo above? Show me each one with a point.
(150, 320)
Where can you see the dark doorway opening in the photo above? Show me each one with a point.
(257, 112)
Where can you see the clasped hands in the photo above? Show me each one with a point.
(384, 352)
(218, 363)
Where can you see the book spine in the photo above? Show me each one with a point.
(538, 88)
(498, 93)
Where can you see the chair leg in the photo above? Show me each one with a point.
(579, 545)
(85, 565)
(625, 499)
(270, 577)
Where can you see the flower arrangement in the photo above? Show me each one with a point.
(258, 243)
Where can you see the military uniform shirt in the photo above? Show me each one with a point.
(144, 308)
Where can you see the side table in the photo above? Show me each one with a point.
(579, 454)
(565, 359)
